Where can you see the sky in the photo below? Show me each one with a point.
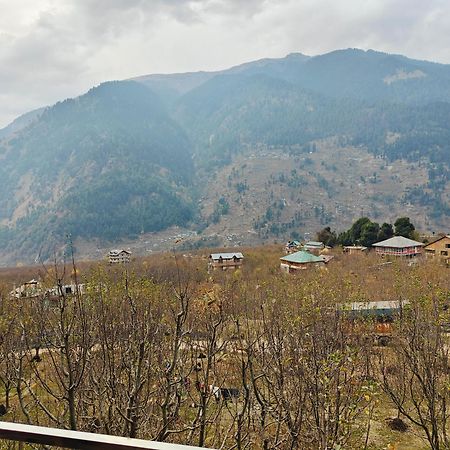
(54, 49)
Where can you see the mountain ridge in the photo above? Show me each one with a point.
(136, 156)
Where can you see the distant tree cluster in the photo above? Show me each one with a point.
(222, 208)
(365, 232)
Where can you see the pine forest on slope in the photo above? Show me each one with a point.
(263, 150)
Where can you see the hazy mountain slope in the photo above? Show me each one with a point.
(350, 73)
(21, 122)
(106, 164)
(172, 86)
(230, 111)
(375, 76)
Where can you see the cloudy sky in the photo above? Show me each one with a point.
(54, 49)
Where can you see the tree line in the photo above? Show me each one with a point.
(365, 232)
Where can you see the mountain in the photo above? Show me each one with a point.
(375, 76)
(97, 165)
(171, 86)
(259, 150)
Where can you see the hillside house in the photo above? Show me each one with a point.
(383, 313)
(313, 247)
(29, 289)
(399, 246)
(385, 308)
(119, 256)
(354, 249)
(225, 261)
(65, 290)
(292, 246)
(440, 248)
(301, 260)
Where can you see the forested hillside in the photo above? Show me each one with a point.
(134, 157)
(110, 163)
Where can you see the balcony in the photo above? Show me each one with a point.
(80, 440)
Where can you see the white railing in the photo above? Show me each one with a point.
(80, 440)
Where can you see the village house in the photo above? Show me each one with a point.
(225, 261)
(440, 248)
(313, 247)
(384, 309)
(292, 246)
(29, 289)
(33, 289)
(119, 256)
(354, 249)
(65, 289)
(399, 246)
(302, 260)
(383, 313)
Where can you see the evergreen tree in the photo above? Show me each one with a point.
(356, 229)
(386, 232)
(327, 236)
(369, 234)
(404, 227)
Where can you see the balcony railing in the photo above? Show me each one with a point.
(80, 440)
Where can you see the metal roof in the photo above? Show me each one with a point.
(314, 244)
(118, 252)
(372, 309)
(447, 236)
(355, 247)
(302, 257)
(373, 306)
(398, 242)
(216, 256)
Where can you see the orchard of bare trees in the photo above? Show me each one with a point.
(252, 359)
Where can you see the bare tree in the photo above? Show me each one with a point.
(416, 374)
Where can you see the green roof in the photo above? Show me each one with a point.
(302, 257)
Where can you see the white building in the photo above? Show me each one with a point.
(119, 256)
(224, 261)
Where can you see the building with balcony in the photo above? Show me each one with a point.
(399, 246)
(225, 261)
(119, 256)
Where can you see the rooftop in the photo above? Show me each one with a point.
(314, 244)
(447, 236)
(373, 306)
(302, 257)
(215, 256)
(398, 242)
(119, 251)
(355, 247)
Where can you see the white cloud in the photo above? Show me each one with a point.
(53, 49)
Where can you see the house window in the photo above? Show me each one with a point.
(430, 251)
(444, 253)
(447, 245)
